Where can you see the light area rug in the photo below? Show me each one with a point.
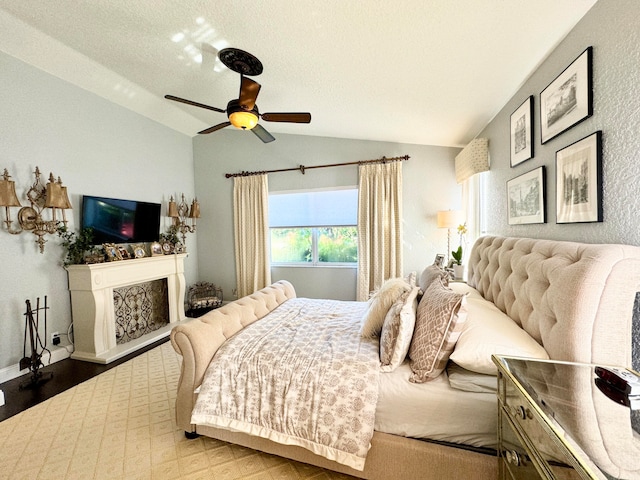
(121, 425)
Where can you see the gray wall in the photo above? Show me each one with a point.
(429, 186)
(611, 27)
(98, 148)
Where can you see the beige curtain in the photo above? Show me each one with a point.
(251, 229)
(379, 225)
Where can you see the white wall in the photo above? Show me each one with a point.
(97, 148)
(429, 186)
(611, 27)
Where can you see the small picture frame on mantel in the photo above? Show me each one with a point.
(156, 249)
(522, 132)
(112, 252)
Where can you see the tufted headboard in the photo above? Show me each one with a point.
(575, 299)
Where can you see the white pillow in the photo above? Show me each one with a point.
(397, 331)
(488, 331)
(379, 305)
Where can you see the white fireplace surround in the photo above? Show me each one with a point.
(92, 305)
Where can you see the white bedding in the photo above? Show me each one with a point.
(435, 410)
(302, 375)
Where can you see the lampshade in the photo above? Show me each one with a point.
(8, 197)
(56, 196)
(474, 158)
(195, 209)
(243, 120)
(173, 209)
(450, 218)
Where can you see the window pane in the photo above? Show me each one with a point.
(338, 244)
(323, 208)
(291, 245)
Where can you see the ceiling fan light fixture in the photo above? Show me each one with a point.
(243, 120)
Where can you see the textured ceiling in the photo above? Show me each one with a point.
(429, 72)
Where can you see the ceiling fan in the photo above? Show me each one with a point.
(243, 112)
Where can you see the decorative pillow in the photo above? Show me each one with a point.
(431, 273)
(397, 331)
(441, 314)
(468, 381)
(379, 305)
(489, 331)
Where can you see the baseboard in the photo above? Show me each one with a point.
(58, 352)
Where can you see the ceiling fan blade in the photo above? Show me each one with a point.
(215, 127)
(287, 117)
(262, 134)
(249, 90)
(195, 104)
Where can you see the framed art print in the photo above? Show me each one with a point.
(579, 181)
(526, 198)
(568, 99)
(522, 133)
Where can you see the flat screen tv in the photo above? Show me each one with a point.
(121, 221)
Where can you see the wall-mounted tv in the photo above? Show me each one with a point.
(121, 221)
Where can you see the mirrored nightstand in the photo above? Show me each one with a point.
(555, 422)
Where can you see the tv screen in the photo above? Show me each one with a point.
(121, 221)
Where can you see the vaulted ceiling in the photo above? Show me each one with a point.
(415, 71)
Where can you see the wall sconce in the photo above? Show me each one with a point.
(184, 218)
(52, 196)
(449, 219)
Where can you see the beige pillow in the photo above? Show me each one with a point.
(379, 305)
(441, 314)
(431, 273)
(397, 331)
(489, 331)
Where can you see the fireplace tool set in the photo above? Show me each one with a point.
(37, 345)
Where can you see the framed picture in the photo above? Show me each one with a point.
(526, 198)
(156, 249)
(112, 252)
(439, 261)
(522, 132)
(124, 252)
(139, 250)
(568, 99)
(579, 181)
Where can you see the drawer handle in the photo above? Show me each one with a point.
(521, 412)
(513, 458)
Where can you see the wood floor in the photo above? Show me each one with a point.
(66, 374)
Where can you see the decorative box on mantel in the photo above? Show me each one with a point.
(107, 326)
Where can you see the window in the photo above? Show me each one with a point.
(314, 227)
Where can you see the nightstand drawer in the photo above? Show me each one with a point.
(537, 432)
(515, 462)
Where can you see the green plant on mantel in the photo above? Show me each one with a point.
(171, 236)
(76, 245)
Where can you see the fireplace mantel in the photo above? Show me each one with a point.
(92, 305)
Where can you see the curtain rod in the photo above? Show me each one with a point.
(302, 168)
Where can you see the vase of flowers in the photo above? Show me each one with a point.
(458, 267)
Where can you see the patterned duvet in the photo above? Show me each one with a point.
(300, 376)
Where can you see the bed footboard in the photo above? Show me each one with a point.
(198, 340)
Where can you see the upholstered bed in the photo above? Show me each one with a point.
(574, 300)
